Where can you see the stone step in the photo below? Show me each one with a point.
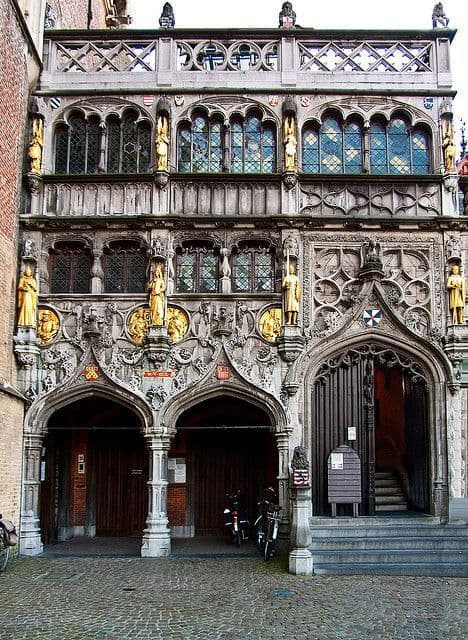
(434, 543)
(395, 556)
(402, 506)
(388, 491)
(451, 570)
(390, 482)
(339, 529)
(390, 499)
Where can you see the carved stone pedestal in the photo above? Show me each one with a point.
(290, 343)
(300, 558)
(157, 344)
(156, 536)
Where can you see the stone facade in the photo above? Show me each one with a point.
(371, 247)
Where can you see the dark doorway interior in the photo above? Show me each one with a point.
(229, 446)
(94, 472)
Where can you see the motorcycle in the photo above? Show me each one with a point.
(235, 518)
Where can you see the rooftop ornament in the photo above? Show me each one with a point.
(439, 19)
(287, 16)
(167, 19)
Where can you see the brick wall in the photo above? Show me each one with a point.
(74, 15)
(176, 503)
(78, 481)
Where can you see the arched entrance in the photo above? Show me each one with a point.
(222, 444)
(94, 472)
(375, 400)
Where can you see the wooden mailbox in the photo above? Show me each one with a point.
(344, 478)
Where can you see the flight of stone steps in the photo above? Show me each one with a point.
(389, 495)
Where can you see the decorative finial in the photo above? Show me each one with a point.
(167, 19)
(463, 142)
(439, 19)
(287, 16)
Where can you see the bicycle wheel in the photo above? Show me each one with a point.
(4, 551)
(261, 534)
(238, 538)
(269, 548)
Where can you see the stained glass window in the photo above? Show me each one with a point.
(199, 146)
(310, 150)
(253, 147)
(253, 269)
(70, 268)
(352, 148)
(332, 148)
(124, 265)
(378, 148)
(396, 149)
(399, 158)
(196, 269)
(420, 149)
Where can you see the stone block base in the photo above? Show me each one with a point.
(301, 562)
(156, 545)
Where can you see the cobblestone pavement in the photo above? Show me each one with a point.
(74, 598)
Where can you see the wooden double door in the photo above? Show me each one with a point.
(221, 461)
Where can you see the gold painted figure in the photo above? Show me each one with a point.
(162, 143)
(35, 146)
(270, 324)
(456, 288)
(177, 324)
(290, 144)
(292, 296)
(27, 299)
(156, 289)
(448, 146)
(138, 324)
(48, 325)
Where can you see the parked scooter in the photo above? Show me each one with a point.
(235, 518)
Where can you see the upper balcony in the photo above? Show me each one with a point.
(248, 60)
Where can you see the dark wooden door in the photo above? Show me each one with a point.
(416, 414)
(224, 461)
(121, 472)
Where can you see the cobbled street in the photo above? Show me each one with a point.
(74, 598)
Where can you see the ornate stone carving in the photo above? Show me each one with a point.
(287, 16)
(299, 459)
(457, 294)
(48, 325)
(138, 324)
(27, 299)
(270, 323)
(35, 146)
(439, 19)
(167, 18)
(177, 323)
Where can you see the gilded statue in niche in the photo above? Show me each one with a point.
(177, 324)
(448, 146)
(457, 293)
(270, 324)
(138, 324)
(290, 143)
(48, 325)
(35, 146)
(292, 292)
(157, 288)
(162, 143)
(27, 299)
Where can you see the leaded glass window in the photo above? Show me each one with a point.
(420, 151)
(199, 146)
(70, 268)
(253, 146)
(395, 149)
(196, 269)
(378, 148)
(128, 144)
(310, 150)
(331, 146)
(124, 266)
(352, 148)
(253, 270)
(77, 145)
(399, 158)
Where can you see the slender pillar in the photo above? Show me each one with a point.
(282, 440)
(156, 535)
(300, 558)
(30, 528)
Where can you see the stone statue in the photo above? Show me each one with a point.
(292, 296)
(35, 146)
(27, 299)
(372, 252)
(138, 324)
(287, 16)
(270, 324)
(162, 143)
(299, 460)
(456, 289)
(448, 146)
(439, 19)
(156, 289)
(48, 325)
(177, 324)
(290, 143)
(167, 19)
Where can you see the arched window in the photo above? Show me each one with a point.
(396, 149)
(128, 144)
(196, 268)
(124, 265)
(253, 269)
(77, 145)
(199, 146)
(332, 148)
(70, 268)
(253, 146)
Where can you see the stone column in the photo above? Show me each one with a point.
(282, 440)
(30, 527)
(300, 558)
(156, 535)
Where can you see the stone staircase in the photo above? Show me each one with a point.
(393, 545)
(389, 495)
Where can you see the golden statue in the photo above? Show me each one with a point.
(177, 324)
(292, 295)
(48, 325)
(457, 292)
(27, 299)
(156, 288)
(35, 146)
(448, 146)
(162, 143)
(138, 324)
(290, 143)
(270, 324)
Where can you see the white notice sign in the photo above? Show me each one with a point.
(180, 474)
(336, 460)
(351, 433)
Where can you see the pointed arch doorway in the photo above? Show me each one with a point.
(94, 472)
(380, 398)
(227, 444)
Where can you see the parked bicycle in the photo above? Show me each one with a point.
(268, 522)
(235, 518)
(8, 539)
